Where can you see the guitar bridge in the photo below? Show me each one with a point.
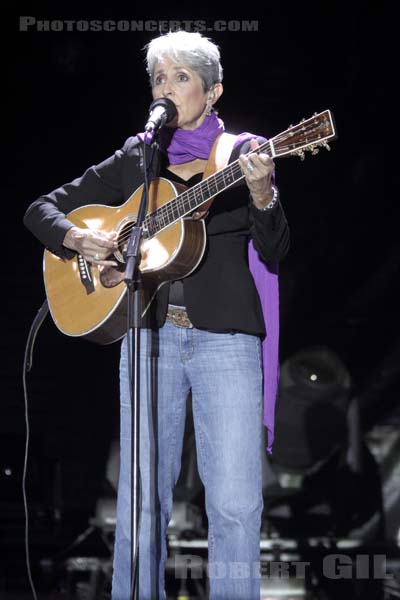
(85, 273)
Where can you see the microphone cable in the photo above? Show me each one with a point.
(37, 322)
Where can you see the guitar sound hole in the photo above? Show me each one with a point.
(123, 239)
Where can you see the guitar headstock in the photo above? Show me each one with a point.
(309, 135)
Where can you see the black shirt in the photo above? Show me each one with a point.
(220, 294)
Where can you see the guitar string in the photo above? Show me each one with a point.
(172, 208)
(167, 210)
(162, 216)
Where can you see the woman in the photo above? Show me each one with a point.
(205, 334)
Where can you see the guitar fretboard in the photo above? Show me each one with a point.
(306, 135)
(188, 201)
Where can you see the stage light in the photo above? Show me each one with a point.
(311, 414)
(313, 485)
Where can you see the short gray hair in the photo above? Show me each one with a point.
(192, 49)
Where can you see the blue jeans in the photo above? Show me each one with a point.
(225, 375)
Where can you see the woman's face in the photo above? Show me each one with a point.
(184, 87)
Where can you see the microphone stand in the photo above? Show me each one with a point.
(133, 282)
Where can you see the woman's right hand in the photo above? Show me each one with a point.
(94, 245)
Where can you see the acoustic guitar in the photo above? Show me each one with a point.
(89, 301)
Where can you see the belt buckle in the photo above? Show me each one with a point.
(179, 317)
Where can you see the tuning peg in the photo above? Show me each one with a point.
(326, 145)
(299, 153)
(313, 149)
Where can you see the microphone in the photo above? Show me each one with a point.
(162, 111)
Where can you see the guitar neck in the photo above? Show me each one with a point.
(307, 135)
(191, 199)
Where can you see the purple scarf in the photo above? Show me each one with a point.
(183, 145)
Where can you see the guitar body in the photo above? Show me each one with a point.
(90, 301)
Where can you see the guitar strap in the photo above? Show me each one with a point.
(218, 159)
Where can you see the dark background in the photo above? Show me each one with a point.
(73, 98)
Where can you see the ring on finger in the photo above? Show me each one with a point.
(250, 167)
(97, 256)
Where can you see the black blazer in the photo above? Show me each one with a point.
(220, 294)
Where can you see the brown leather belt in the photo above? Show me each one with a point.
(178, 316)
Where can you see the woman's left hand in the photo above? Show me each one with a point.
(258, 169)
